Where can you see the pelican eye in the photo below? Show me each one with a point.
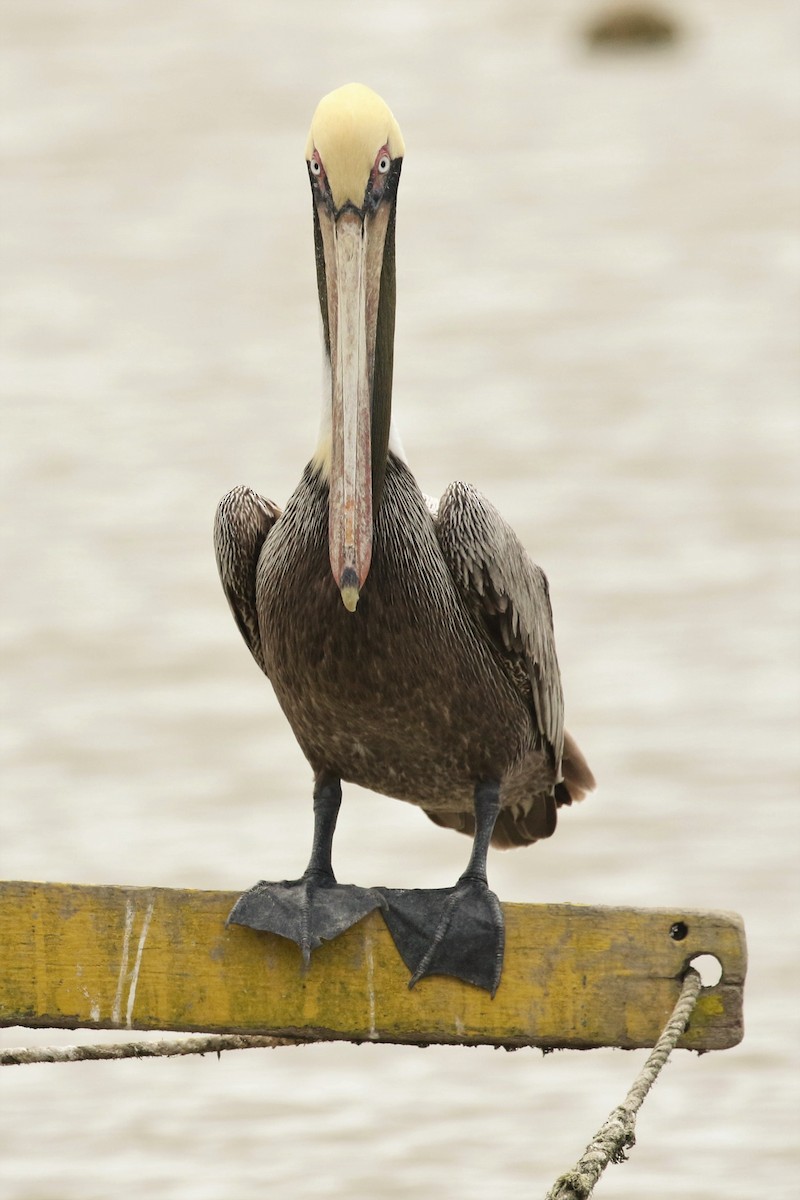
(315, 165)
(379, 177)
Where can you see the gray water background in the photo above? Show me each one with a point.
(598, 326)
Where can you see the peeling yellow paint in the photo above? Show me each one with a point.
(709, 1005)
(574, 976)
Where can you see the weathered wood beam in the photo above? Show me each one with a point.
(576, 977)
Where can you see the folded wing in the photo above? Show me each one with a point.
(509, 599)
(241, 526)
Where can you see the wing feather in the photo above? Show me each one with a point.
(242, 524)
(508, 595)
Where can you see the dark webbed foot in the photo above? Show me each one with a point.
(309, 910)
(314, 908)
(456, 931)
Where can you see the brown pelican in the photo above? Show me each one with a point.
(409, 644)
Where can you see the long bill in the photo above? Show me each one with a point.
(353, 246)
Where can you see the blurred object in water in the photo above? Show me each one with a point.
(631, 26)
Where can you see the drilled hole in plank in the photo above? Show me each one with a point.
(708, 967)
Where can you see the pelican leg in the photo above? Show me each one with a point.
(456, 931)
(314, 908)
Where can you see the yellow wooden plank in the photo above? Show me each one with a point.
(73, 956)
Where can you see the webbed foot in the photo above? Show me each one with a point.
(308, 911)
(456, 931)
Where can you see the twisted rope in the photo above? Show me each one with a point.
(616, 1135)
(213, 1044)
(610, 1143)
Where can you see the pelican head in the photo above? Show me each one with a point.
(354, 155)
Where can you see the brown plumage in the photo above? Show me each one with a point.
(409, 644)
(445, 675)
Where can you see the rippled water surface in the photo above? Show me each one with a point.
(597, 325)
